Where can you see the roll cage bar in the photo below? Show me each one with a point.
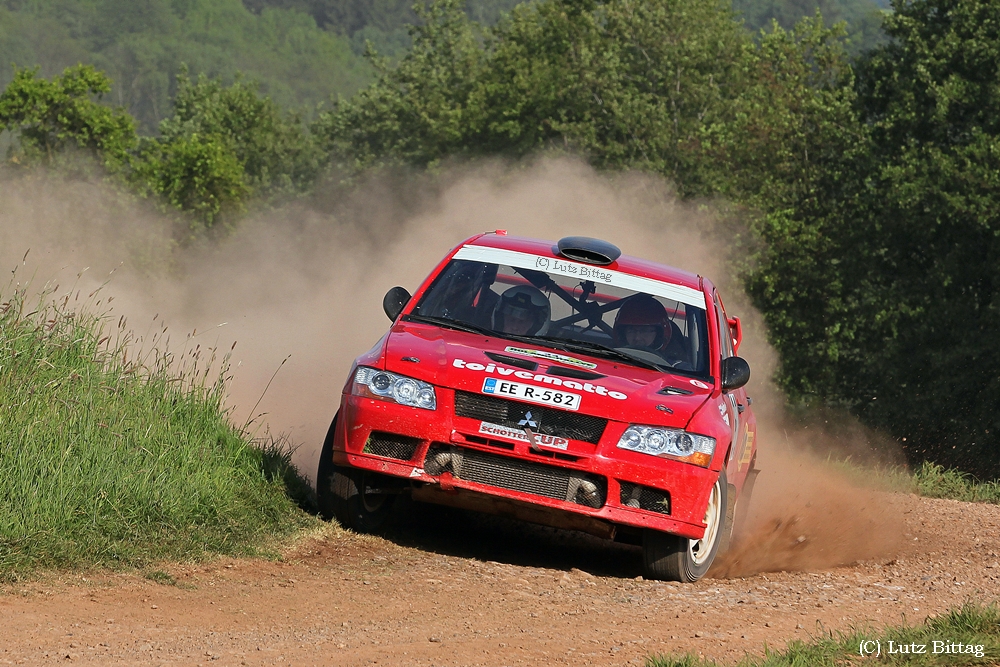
(591, 311)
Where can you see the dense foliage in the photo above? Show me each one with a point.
(885, 298)
(220, 147)
(869, 187)
(142, 45)
(301, 51)
(930, 245)
(53, 116)
(863, 18)
(383, 23)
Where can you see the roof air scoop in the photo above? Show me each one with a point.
(588, 250)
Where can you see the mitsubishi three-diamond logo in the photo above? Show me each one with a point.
(528, 421)
(527, 424)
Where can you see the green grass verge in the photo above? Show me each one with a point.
(972, 625)
(112, 459)
(929, 480)
(935, 481)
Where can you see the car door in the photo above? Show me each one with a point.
(744, 427)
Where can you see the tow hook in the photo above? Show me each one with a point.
(445, 480)
(531, 439)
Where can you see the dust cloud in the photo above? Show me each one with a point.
(299, 291)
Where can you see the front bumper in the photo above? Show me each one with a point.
(598, 481)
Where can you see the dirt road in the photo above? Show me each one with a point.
(445, 589)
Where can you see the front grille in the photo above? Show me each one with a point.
(558, 423)
(643, 497)
(516, 475)
(391, 445)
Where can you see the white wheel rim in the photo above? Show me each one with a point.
(701, 549)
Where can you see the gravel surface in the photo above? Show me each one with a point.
(448, 588)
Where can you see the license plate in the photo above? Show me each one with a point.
(531, 393)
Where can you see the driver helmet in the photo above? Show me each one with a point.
(642, 310)
(523, 310)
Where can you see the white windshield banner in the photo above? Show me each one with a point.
(599, 274)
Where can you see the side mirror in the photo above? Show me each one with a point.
(735, 373)
(394, 301)
(736, 327)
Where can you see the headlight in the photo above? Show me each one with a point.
(387, 386)
(669, 442)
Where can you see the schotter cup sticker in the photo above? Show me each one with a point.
(507, 433)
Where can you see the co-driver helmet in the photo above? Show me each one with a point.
(643, 310)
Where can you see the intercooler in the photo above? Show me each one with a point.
(516, 475)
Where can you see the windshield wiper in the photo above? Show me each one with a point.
(588, 347)
(565, 344)
(451, 324)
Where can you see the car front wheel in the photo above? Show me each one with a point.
(357, 499)
(675, 558)
(361, 499)
(324, 475)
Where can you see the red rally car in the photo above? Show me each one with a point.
(563, 384)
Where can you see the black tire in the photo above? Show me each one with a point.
(324, 475)
(344, 493)
(354, 504)
(674, 558)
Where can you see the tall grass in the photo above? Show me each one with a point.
(115, 456)
(971, 624)
(935, 481)
(929, 480)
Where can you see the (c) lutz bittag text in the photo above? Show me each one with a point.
(937, 647)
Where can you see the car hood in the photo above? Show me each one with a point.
(464, 361)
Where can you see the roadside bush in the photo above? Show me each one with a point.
(197, 175)
(49, 116)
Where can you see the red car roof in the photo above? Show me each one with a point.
(625, 263)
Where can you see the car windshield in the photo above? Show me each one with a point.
(571, 306)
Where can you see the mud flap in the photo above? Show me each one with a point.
(726, 538)
(743, 507)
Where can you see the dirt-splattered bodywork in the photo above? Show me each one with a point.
(528, 428)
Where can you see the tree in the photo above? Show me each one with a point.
(195, 174)
(141, 46)
(221, 146)
(49, 116)
(623, 82)
(659, 85)
(790, 149)
(862, 18)
(931, 96)
(275, 151)
(416, 112)
(878, 278)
